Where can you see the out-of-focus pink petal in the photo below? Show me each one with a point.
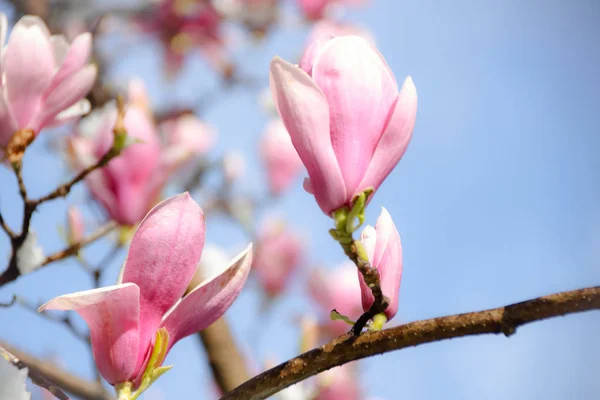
(278, 254)
(28, 66)
(112, 314)
(75, 224)
(71, 90)
(75, 58)
(384, 248)
(340, 383)
(313, 9)
(162, 258)
(360, 90)
(281, 159)
(304, 110)
(395, 138)
(337, 289)
(209, 301)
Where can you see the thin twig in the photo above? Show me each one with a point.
(11, 234)
(35, 377)
(65, 188)
(73, 249)
(348, 348)
(59, 377)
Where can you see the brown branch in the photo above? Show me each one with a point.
(225, 360)
(11, 234)
(348, 348)
(50, 372)
(65, 188)
(73, 249)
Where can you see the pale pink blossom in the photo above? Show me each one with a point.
(316, 9)
(384, 250)
(185, 137)
(75, 225)
(44, 78)
(123, 319)
(280, 157)
(279, 251)
(130, 184)
(346, 118)
(339, 383)
(234, 165)
(337, 289)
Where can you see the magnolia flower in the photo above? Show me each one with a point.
(384, 250)
(278, 254)
(125, 320)
(316, 9)
(280, 157)
(130, 184)
(44, 79)
(184, 26)
(345, 116)
(337, 289)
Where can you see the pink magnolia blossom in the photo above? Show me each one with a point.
(44, 79)
(346, 118)
(130, 184)
(337, 289)
(278, 254)
(316, 9)
(280, 157)
(75, 224)
(340, 383)
(124, 318)
(185, 137)
(184, 26)
(384, 250)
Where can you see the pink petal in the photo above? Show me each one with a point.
(112, 314)
(360, 91)
(75, 58)
(395, 138)
(71, 90)
(209, 301)
(281, 159)
(162, 259)
(305, 113)
(28, 67)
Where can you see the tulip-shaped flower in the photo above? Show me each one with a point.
(44, 79)
(280, 157)
(384, 250)
(346, 118)
(134, 323)
(336, 289)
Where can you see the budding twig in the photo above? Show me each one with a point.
(348, 348)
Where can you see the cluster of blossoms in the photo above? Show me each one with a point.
(342, 117)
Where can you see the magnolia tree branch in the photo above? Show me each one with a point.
(348, 348)
(44, 372)
(226, 362)
(73, 249)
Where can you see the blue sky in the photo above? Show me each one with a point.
(497, 200)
